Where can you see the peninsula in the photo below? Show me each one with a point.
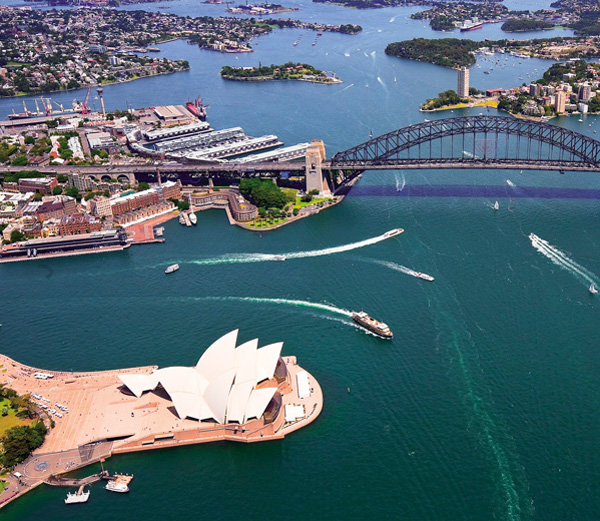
(454, 52)
(287, 71)
(240, 393)
(78, 48)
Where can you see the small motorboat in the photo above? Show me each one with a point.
(496, 206)
(172, 268)
(279, 257)
(592, 289)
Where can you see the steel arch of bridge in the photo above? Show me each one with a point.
(557, 148)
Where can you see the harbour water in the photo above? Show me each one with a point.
(484, 404)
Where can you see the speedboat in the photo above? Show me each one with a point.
(392, 233)
(279, 257)
(496, 206)
(592, 289)
(172, 268)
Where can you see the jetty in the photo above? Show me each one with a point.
(57, 481)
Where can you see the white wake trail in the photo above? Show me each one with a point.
(510, 183)
(561, 259)
(338, 249)
(242, 258)
(289, 302)
(396, 267)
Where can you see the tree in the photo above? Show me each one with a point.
(142, 185)
(29, 140)
(73, 192)
(57, 190)
(18, 442)
(17, 236)
(62, 178)
(20, 160)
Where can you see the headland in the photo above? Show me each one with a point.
(257, 396)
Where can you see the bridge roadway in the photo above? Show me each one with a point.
(298, 168)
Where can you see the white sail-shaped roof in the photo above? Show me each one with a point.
(218, 358)
(259, 399)
(238, 399)
(138, 383)
(222, 386)
(266, 361)
(245, 362)
(217, 395)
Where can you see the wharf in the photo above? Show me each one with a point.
(186, 217)
(72, 482)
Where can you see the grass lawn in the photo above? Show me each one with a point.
(6, 422)
(301, 204)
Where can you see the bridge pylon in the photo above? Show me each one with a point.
(315, 155)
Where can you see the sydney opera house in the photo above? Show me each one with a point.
(228, 385)
(243, 393)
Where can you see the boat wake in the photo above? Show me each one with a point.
(397, 267)
(273, 257)
(400, 184)
(561, 259)
(289, 302)
(510, 183)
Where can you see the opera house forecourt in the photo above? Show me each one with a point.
(235, 392)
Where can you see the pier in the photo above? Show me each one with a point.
(57, 481)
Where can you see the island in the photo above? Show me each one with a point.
(287, 71)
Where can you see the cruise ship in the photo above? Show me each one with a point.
(469, 25)
(374, 326)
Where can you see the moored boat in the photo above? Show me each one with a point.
(172, 268)
(193, 218)
(78, 497)
(374, 326)
(182, 220)
(116, 486)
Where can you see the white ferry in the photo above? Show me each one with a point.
(424, 276)
(115, 486)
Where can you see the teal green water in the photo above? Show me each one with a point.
(484, 406)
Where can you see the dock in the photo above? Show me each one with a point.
(72, 482)
(186, 217)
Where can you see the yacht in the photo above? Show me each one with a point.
(182, 219)
(77, 497)
(193, 218)
(172, 268)
(496, 206)
(592, 289)
(159, 231)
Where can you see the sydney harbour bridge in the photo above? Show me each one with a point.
(470, 142)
